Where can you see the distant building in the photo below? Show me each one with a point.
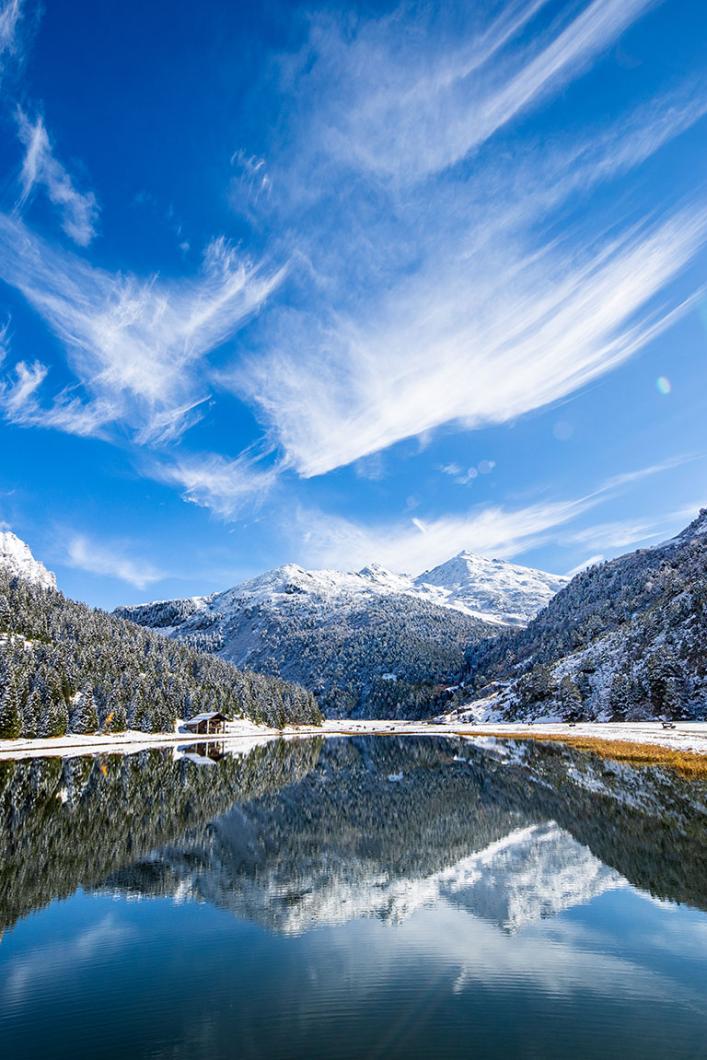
(206, 724)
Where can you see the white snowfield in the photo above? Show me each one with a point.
(686, 736)
(17, 558)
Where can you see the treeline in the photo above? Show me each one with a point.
(65, 667)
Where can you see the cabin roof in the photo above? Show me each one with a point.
(209, 716)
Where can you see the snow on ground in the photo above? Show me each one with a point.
(686, 736)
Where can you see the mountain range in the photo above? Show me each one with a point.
(369, 644)
(474, 638)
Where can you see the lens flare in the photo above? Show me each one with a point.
(663, 384)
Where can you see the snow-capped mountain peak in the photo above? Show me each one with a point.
(16, 557)
(493, 588)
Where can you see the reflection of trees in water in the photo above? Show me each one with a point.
(302, 824)
(346, 825)
(69, 823)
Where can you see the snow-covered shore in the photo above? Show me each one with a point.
(686, 736)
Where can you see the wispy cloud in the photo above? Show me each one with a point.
(591, 561)
(445, 295)
(135, 345)
(40, 168)
(225, 487)
(627, 478)
(413, 545)
(621, 534)
(20, 404)
(446, 98)
(112, 560)
(477, 340)
(416, 545)
(10, 15)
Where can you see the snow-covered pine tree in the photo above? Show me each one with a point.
(10, 721)
(570, 699)
(55, 719)
(31, 712)
(84, 718)
(620, 696)
(662, 672)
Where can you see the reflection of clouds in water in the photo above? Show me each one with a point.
(60, 958)
(561, 958)
(670, 934)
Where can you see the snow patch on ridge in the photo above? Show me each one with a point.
(16, 556)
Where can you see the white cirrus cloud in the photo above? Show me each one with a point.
(10, 15)
(110, 559)
(224, 486)
(414, 545)
(476, 340)
(442, 91)
(447, 297)
(40, 168)
(135, 345)
(19, 403)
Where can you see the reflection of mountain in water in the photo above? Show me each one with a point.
(511, 836)
(295, 835)
(533, 873)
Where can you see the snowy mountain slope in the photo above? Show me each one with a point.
(67, 667)
(625, 639)
(493, 589)
(16, 557)
(368, 643)
(363, 648)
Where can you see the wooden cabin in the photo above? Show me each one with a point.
(206, 724)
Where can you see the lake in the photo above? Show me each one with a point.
(360, 897)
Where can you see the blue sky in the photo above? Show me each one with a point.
(341, 284)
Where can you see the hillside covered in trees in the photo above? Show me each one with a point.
(625, 640)
(364, 648)
(65, 667)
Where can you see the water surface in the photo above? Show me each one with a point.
(371, 896)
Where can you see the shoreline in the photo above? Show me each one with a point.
(683, 748)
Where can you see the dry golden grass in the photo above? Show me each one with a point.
(690, 764)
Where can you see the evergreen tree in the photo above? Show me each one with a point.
(662, 675)
(4, 614)
(620, 696)
(31, 713)
(570, 699)
(84, 717)
(10, 721)
(55, 720)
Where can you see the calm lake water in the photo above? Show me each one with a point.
(363, 897)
